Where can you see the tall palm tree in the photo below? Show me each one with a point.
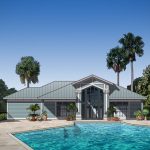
(133, 46)
(28, 70)
(117, 60)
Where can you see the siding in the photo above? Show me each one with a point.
(19, 109)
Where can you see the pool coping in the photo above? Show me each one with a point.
(135, 124)
(20, 142)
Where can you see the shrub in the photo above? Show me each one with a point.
(145, 113)
(71, 117)
(71, 107)
(111, 111)
(139, 115)
(3, 116)
(34, 108)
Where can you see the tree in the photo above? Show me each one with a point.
(28, 70)
(145, 113)
(4, 91)
(144, 85)
(34, 108)
(135, 85)
(133, 46)
(117, 60)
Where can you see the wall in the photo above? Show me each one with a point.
(18, 109)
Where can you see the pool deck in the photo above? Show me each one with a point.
(135, 122)
(7, 127)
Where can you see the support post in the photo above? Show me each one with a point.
(42, 101)
(106, 100)
(78, 104)
(141, 105)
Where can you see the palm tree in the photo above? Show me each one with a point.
(28, 70)
(33, 108)
(117, 60)
(133, 46)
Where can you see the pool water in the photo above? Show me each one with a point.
(89, 136)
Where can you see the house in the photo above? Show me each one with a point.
(92, 96)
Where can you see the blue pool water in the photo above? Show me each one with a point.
(89, 136)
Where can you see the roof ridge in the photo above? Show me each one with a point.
(46, 84)
(53, 82)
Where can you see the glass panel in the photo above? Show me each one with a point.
(92, 103)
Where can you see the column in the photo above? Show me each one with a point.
(129, 107)
(78, 104)
(42, 107)
(141, 105)
(106, 100)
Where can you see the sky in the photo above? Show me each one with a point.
(70, 38)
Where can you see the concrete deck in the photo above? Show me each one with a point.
(7, 127)
(135, 122)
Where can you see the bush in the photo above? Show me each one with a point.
(3, 116)
(111, 111)
(139, 115)
(71, 117)
(145, 113)
(33, 108)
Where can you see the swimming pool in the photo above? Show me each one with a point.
(89, 136)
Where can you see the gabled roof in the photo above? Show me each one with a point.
(91, 78)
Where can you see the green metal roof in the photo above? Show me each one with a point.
(66, 90)
(121, 93)
(53, 90)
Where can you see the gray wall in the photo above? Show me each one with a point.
(19, 109)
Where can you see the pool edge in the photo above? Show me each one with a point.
(20, 142)
(27, 146)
